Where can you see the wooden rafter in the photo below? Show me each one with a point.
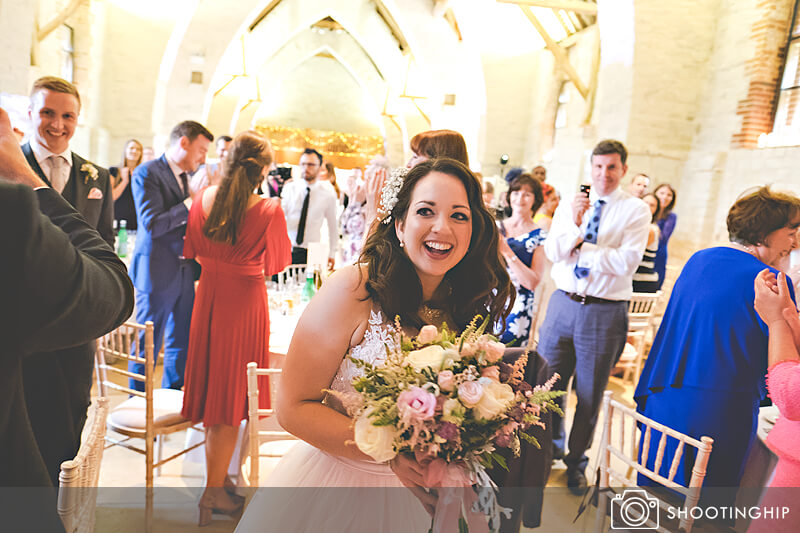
(58, 20)
(578, 6)
(412, 97)
(394, 27)
(560, 55)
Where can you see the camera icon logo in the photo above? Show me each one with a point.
(633, 509)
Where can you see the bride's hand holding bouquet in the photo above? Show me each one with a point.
(449, 402)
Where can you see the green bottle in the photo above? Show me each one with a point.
(309, 289)
(122, 239)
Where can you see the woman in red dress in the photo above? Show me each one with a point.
(238, 238)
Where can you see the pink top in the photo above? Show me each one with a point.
(783, 382)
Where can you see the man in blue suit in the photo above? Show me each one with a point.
(164, 280)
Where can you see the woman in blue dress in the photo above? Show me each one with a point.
(665, 220)
(705, 372)
(524, 256)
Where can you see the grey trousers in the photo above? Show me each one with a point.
(586, 339)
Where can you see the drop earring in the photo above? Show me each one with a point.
(402, 244)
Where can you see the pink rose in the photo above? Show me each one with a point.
(494, 350)
(447, 380)
(491, 372)
(468, 349)
(470, 393)
(416, 404)
(427, 334)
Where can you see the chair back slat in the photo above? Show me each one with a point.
(622, 465)
(673, 468)
(122, 344)
(77, 495)
(662, 444)
(646, 445)
(292, 274)
(255, 435)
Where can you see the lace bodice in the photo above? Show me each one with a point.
(372, 349)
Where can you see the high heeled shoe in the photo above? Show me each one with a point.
(211, 503)
(230, 488)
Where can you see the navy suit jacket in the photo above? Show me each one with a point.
(162, 215)
(97, 210)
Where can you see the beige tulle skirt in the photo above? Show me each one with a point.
(313, 491)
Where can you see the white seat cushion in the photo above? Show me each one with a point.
(628, 353)
(130, 414)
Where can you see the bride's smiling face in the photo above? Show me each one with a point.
(437, 228)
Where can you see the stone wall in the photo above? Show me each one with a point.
(709, 184)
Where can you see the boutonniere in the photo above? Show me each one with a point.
(89, 171)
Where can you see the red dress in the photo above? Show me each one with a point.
(230, 318)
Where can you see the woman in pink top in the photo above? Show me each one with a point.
(776, 309)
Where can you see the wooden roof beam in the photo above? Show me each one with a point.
(578, 6)
(562, 59)
(57, 20)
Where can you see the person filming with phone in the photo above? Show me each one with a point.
(596, 242)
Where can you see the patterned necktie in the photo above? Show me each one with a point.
(591, 234)
(184, 184)
(57, 178)
(301, 226)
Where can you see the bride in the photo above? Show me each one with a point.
(434, 259)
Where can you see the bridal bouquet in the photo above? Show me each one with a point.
(450, 401)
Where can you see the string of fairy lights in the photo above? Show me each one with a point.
(336, 143)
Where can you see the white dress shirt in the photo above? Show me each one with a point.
(321, 206)
(621, 240)
(43, 155)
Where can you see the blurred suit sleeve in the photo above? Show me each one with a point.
(60, 285)
(72, 287)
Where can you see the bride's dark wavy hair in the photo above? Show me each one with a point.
(479, 283)
(246, 159)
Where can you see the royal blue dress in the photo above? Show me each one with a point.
(705, 372)
(666, 226)
(518, 323)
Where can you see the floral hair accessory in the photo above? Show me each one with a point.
(89, 171)
(390, 190)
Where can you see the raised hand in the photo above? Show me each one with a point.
(772, 296)
(374, 185)
(580, 204)
(13, 166)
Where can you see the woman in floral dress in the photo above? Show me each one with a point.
(524, 256)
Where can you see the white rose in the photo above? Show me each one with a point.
(495, 400)
(429, 356)
(375, 441)
(450, 357)
(453, 411)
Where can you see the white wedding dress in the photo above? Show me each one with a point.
(313, 491)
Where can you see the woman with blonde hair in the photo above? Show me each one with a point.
(124, 208)
(238, 238)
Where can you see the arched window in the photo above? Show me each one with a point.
(787, 116)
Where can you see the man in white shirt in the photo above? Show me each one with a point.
(306, 203)
(595, 243)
